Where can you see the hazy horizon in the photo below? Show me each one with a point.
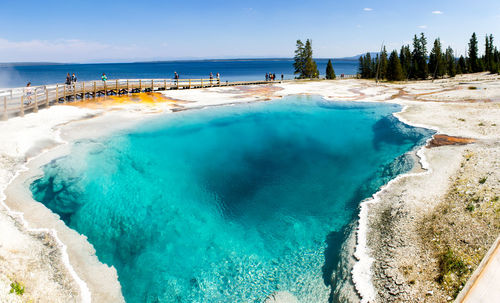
(349, 58)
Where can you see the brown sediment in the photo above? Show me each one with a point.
(357, 91)
(441, 140)
(437, 92)
(402, 94)
(258, 91)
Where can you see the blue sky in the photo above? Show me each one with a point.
(98, 31)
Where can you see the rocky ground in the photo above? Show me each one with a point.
(427, 253)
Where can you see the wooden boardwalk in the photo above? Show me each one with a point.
(18, 101)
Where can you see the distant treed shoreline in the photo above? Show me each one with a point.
(418, 65)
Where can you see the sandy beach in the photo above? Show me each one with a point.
(410, 237)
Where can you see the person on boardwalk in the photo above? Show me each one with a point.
(68, 79)
(281, 76)
(176, 77)
(104, 78)
(73, 78)
(267, 77)
(218, 78)
(211, 78)
(28, 93)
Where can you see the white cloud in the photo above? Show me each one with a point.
(422, 26)
(367, 9)
(437, 12)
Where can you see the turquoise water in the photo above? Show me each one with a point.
(229, 204)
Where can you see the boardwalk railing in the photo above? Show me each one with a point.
(347, 76)
(19, 100)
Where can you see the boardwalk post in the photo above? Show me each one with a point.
(177, 83)
(83, 91)
(57, 93)
(189, 83)
(201, 83)
(47, 103)
(74, 92)
(128, 88)
(152, 85)
(95, 90)
(140, 85)
(35, 109)
(116, 89)
(4, 116)
(165, 84)
(64, 93)
(22, 104)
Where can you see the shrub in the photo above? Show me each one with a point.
(17, 287)
(470, 207)
(453, 271)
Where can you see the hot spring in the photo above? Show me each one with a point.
(229, 204)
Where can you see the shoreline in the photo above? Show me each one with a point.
(223, 97)
(27, 211)
(362, 269)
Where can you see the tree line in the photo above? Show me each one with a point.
(416, 63)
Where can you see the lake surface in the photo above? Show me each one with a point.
(229, 204)
(230, 70)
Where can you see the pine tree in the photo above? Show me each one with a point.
(394, 69)
(489, 55)
(330, 73)
(462, 66)
(449, 58)
(361, 66)
(496, 60)
(304, 64)
(405, 60)
(311, 68)
(299, 59)
(436, 63)
(474, 65)
(383, 64)
(419, 69)
(373, 66)
(366, 66)
(370, 68)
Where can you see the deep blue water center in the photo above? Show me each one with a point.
(229, 204)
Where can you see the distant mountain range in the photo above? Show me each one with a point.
(29, 63)
(354, 58)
